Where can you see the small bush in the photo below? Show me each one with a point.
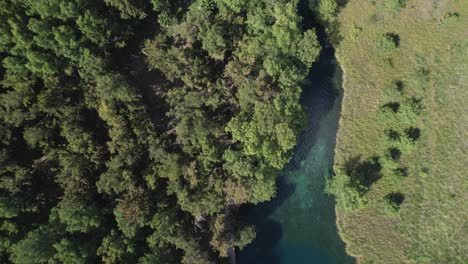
(394, 6)
(415, 104)
(392, 106)
(394, 153)
(354, 31)
(388, 164)
(394, 89)
(398, 85)
(404, 144)
(348, 197)
(363, 173)
(327, 10)
(410, 110)
(413, 133)
(388, 41)
(392, 134)
(401, 172)
(421, 76)
(393, 203)
(397, 174)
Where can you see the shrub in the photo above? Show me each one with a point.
(388, 41)
(394, 6)
(347, 196)
(398, 174)
(392, 134)
(392, 203)
(413, 133)
(354, 31)
(391, 106)
(363, 173)
(325, 9)
(404, 144)
(353, 180)
(409, 110)
(394, 90)
(421, 76)
(394, 153)
(401, 172)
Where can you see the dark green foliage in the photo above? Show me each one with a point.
(8, 208)
(103, 161)
(399, 86)
(392, 106)
(393, 202)
(392, 134)
(36, 246)
(394, 153)
(388, 41)
(128, 9)
(353, 181)
(401, 172)
(326, 9)
(363, 173)
(115, 248)
(69, 251)
(413, 133)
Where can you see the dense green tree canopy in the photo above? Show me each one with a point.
(131, 131)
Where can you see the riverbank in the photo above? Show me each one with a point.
(298, 225)
(413, 209)
(338, 219)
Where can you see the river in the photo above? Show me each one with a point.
(299, 225)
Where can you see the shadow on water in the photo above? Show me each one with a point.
(298, 225)
(269, 231)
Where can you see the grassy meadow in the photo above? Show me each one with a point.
(401, 157)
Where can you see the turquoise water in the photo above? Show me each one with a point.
(298, 225)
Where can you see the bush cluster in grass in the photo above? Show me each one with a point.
(394, 90)
(421, 76)
(428, 224)
(388, 41)
(347, 196)
(355, 178)
(405, 112)
(392, 203)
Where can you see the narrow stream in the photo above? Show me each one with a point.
(298, 225)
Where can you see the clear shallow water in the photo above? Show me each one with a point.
(298, 225)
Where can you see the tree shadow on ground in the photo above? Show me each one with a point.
(392, 106)
(363, 173)
(395, 199)
(413, 133)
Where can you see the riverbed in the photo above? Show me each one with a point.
(299, 224)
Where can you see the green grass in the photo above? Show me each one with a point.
(404, 108)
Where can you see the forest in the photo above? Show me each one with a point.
(133, 131)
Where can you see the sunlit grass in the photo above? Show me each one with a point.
(382, 84)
